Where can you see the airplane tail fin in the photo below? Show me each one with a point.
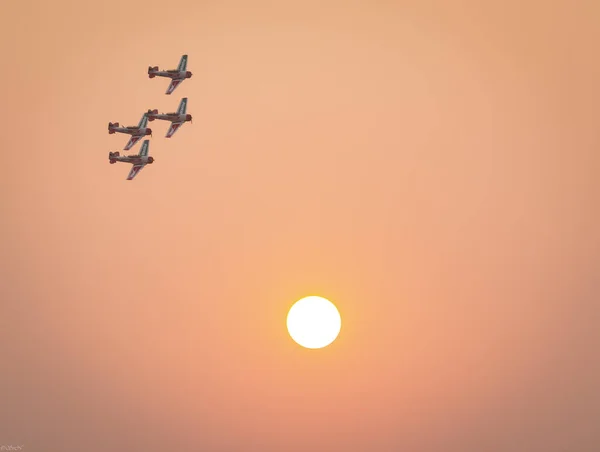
(111, 126)
(151, 71)
(150, 113)
(112, 156)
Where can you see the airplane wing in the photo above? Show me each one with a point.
(182, 106)
(133, 140)
(174, 84)
(134, 170)
(174, 127)
(182, 63)
(144, 121)
(144, 149)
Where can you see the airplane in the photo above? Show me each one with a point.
(136, 132)
(139, 161)
(176, 75)
(177, 119)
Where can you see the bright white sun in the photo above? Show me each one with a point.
(314, 322)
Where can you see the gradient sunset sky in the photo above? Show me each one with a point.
(432, 167)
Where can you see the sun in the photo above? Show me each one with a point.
(314, 322)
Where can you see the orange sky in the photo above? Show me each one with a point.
(431, 167)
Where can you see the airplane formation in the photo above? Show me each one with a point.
(177, 119)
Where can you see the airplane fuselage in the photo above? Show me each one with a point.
(134, 131)
(133, 159)
(173, 117)
(174, 74)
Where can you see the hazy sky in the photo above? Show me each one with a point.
(432, 167)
